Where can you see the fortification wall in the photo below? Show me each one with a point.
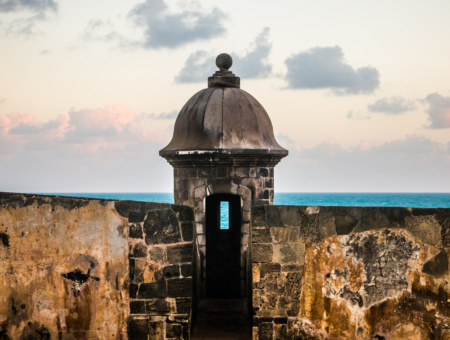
(74, 268)
(350, 273)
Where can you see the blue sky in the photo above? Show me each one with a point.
(357, 91)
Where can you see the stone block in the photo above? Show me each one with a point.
(136, 216)
(172, 271)
(443, 218)
(292, 268)
(137, 307)
(135, 231)
(261, 235)
(137, 328)
(180, 253)
(161, 227)
(152, 290)
(259, 216)
(187, 231)
(174, 331)
(186, 270)
(262, 253)
(425, 228)
(200, 192)
(255, 333)
(179, 287)
(273, 216)
(157, 254)
(157, 330)
(245, 228)
(327, 225)
(438, 265)
(256, 272)
(345, 224)
(139, 250)
(184, 305)
(199, 228)
(133, 290)
(185, 213)
(267, 268)
(264, 172)
(423, 211)
(289, 253)
(279, 331)
(383, 217)
(131, 268)
(285, 234)
(309, 230)
(246, 215)
(160, 306)
(265, 331)
(264, 194)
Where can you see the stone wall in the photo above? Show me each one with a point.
(253, 184)
(350, 273)
(63, 268)
(161, 270)
(75, 268)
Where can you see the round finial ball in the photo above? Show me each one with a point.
(224, 61)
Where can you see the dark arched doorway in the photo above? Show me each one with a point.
(223, 245)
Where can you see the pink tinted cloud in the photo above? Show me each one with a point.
(112, 128)
(13, 120)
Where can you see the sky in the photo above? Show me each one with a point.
(358, 91)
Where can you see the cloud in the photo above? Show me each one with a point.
(26, 14)
(325, 67)
(391, 106)
(164, 115)
(438, 111)
(31, 5)
(197, 68)
(101, 149)
(411, 164)
(253, 64)
(357, 115)
(2, 100)
(163, 29)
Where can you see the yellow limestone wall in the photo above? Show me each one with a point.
(63, 269)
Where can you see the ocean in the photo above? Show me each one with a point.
(416, 200)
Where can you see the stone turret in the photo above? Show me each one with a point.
(223, 150)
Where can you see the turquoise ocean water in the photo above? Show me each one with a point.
(417, 200)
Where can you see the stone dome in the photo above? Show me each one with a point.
(223, 124)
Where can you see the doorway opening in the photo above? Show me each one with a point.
(223, 313)
(223, 246)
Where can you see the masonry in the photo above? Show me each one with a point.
(350, 273)
(76, 268)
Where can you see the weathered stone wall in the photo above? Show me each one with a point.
(76, 268)
(63, 268)
(253, 184)
(350, 273)
(161, 270)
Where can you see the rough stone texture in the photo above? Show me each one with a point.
(63, 268)
(255, 186)
(350, 273)
(161, 260)
(76, 268)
